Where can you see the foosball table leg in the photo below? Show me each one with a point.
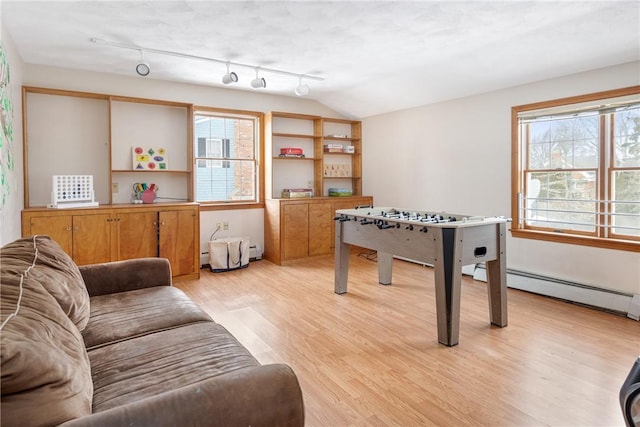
(385, 266)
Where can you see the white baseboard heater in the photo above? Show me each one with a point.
(605, 299)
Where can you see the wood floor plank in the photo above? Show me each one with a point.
(371, 357)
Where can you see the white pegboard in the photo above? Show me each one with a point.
(72, 191)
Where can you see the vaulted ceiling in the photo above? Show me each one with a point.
(375, 56)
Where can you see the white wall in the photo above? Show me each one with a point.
(455, 156)
(247, 222)
(11, 152)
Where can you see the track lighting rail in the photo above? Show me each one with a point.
(204, 58)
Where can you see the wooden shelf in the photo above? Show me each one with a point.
(293, 135)
(339, 138)
(149, 170)
(341, 177)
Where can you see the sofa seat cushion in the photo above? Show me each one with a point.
(123, 315)
(135, 369)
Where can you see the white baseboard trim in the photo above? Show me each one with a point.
(606, 299)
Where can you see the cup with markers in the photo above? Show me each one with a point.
(144, 193)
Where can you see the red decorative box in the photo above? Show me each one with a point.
(291, 151)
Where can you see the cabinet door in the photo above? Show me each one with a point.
(177, 240)
(56, 227)
(295, 231)
(320, 226)
(137, 235)
(92, 238)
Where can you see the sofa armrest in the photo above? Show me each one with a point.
(267, 395)
(128, 275)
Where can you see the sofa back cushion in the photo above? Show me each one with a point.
(44, 367)
(49, 265)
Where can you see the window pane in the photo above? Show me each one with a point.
(235, 181)
(627, 138)
(564, 200)
(564, 143)
(625, 208)
(244, 141)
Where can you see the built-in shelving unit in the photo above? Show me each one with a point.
(81, 133)
(297, 228)
(314, 170)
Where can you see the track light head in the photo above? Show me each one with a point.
(229, 77)
(143, 68)
(258, 82)
(302, 89)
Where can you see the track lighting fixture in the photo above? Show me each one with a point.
(302, 89)
(258, 82)
(229, 77)
(143, 68)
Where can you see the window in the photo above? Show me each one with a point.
(576, 170)
(226, 153)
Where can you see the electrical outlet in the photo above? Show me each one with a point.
(115, 187)
(218, 225)
(225, 225)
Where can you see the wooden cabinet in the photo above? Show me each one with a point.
(320, 227)
(295, 234)
(119, 232)
(137, 234)
(300, 228)
(59, 228)
(86, 238)
(92, 238)
(179, 233)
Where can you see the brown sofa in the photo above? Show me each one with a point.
(115, 344)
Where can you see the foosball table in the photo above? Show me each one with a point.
(446, 241)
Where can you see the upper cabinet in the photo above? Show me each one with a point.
(312, 152)
(78, 133)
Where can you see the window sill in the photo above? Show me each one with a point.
(617, 244)
(229, 206)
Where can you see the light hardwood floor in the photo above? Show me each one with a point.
(371, 357)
